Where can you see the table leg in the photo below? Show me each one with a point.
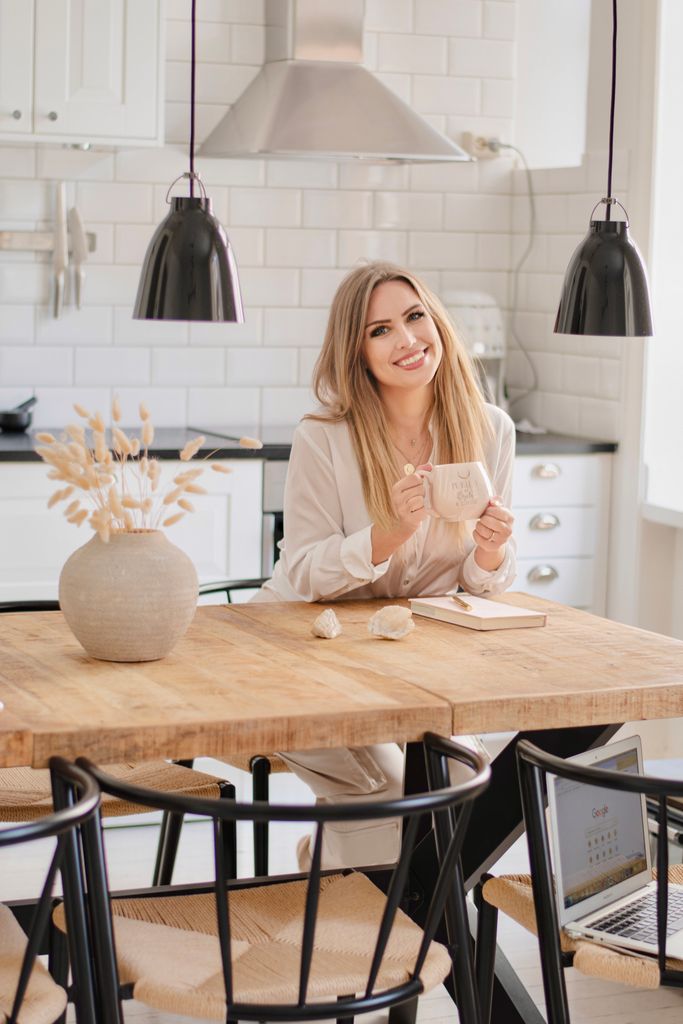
(495, 824)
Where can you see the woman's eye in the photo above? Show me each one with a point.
(377, 332)
(417, 314)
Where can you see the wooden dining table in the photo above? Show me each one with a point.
(253, 678)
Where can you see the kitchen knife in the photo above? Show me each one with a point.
(79, 253)
(60, 256)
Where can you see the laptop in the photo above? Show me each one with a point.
(602, 861)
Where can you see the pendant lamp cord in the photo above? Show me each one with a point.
(193, 70)
(612, 106)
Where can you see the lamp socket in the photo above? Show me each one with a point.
(482, 147)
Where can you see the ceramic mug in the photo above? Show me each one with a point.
(457, 490)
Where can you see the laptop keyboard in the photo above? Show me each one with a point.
(639, 919)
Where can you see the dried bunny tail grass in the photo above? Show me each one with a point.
(218, 468)
(78, 452)
(195, 489)
(135, 446)
(65, 492)
(250, 442)
(185, 504)
(191, 448)
(45, 438)
(116, 410)
(153, 471)
(128, 520)
(129, 502)
(100, 446)
(97, 423)
(173, 495)
(114, 503)
(147, 505)
(79, 517)
(76, 432)
(144, 412)
(81, 411)
(121, 441)
(170, 520)
(147, 432)
(73, 507)
(188, 475)
(143, 465)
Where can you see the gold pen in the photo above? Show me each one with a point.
(459, 600)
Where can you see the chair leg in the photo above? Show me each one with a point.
(58, 961)
(404, 1013)
(260, 772)
(485, 950)
(344, 1020)
(229, 833)
(167, 846)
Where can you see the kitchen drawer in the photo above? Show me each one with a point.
(568, 580)
(556, 530)
(558, 480)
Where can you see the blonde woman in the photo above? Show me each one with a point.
(397, 391)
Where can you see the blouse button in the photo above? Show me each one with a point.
(406, 583)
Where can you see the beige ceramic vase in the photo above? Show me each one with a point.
(130, 599)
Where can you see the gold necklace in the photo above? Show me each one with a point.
(409, 466)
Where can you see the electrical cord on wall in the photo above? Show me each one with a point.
(495, 146)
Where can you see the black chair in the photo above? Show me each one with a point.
(329, 944)
(28, 992)
(25, 793)
(531, 899)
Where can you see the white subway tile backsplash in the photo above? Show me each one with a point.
(446, 94)
(114, 201)
(500, 20)
(389, 15)
(405, 210)
(17, 324)
(216, 407)
(128, 331)
(117, 285)
(301, 174)
(74, 164)
(477, 213)
(300, 327)
(375, 176)
(270, 287)
(149, 165)
(497, 97)
(307, 361)
(248, 333)
(216, 83)
(449, 17)
(332, 209)
(262, 367)
(18, 162)
(581, 376)
(111, 367)
(265, 207)
(25, 283)
(167, 406)
(493, 251)
(285, 406)
(610, 379)
(493, 282)
(319, 286)
(131, 242)
(55, 406)
(248, 244)
(35, 366)
(247, 44)
(439, 250)
(188, 367)
(425, 55)
(448, 177)
(286, 247)
(91, 325)
(559, 413)
(25, 200)
(355, 246)
(482, 58)
(398, 82)
(599, 418)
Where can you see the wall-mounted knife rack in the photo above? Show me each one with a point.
(37, 241)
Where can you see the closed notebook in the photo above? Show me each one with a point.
(485, 614)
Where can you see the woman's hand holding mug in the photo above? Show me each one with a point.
(408, 496)
(494, 528)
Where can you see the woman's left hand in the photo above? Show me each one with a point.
(494, 527)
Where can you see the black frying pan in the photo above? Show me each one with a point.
(18, 419)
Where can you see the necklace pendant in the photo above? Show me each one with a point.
(409, 468)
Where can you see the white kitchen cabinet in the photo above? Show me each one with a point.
(81, 71)
(561, 508)
(222, 537)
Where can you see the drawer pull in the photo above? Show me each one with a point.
(546, 471)
(544, 521)
(542, 574)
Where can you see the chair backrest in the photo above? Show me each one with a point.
(29, 606)
(228, 586)
(534, 765)
(448, 805)
(62, 825)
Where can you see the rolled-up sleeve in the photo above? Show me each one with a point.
(322, 562)
(475, 579)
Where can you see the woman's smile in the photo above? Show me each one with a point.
(401, 344)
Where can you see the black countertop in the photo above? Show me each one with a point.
(224, 444)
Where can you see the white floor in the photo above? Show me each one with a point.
(131, 849)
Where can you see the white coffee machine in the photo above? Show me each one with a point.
(479, 321)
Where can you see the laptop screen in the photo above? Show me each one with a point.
(600, 834)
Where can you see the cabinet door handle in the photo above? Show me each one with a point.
(16, 114)
(542, 574)
(53, 115)
(544, 521)
(546, 471)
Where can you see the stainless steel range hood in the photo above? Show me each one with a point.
(314, 99)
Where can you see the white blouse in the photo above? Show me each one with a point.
(327, 550)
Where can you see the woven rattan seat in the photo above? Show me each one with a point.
(243, 762)
(168, 948)
(44, 1000)
(25, 793)
(513, 895)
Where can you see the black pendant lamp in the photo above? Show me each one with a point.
(605, 289)
(189, 271)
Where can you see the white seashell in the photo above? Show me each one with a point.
(327, 625)
(392, 622)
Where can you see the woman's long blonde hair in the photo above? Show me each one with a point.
(348, 391)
